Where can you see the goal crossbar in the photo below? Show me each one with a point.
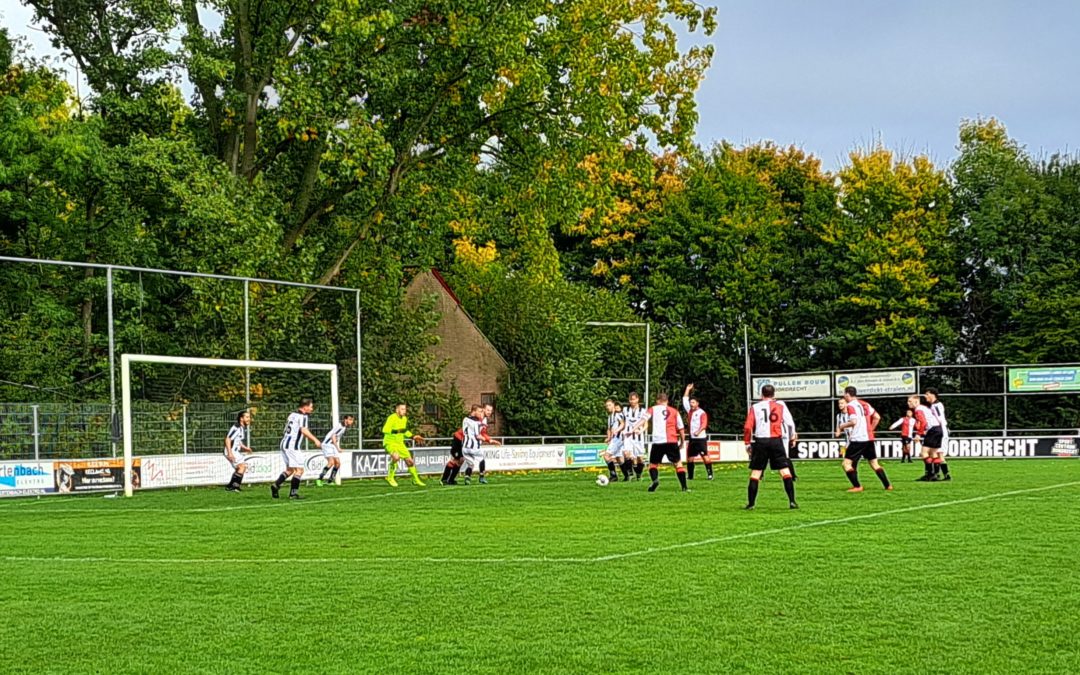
(125, 384)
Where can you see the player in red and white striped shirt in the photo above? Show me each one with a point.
(862, 420)
(668, 433)
(768, 432)
(698, 445)
(907, 432)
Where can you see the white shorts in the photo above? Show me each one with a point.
(330, 450)
(944, 449)
(473, 459)
(615, 447)
(633, 447)
(240, 459)
(294, 459)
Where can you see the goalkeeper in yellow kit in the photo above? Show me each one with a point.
(395, 431)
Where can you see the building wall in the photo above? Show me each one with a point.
(472, 363)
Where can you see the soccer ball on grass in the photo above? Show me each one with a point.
(602, 480)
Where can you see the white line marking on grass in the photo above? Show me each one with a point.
(282, 503)
(522, 560)
(822, 523)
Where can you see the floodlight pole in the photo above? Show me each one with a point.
(746, 356)
(631, 324)
(247, 347)
(112, 360)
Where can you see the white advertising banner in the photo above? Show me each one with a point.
(26, 478)
(515, 457)
(814, 385)
(878, 383)
(160, 471)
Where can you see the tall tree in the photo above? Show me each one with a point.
(328, 107)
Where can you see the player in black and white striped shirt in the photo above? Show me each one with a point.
(331, 450)
(613, 454)
(633, 441)
(234, 447)
(296, 429)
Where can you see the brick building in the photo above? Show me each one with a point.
(473, 364)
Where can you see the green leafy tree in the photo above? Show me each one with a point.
(893, 262)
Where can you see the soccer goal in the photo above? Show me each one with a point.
(182, 371)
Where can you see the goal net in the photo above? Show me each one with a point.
(178, 410)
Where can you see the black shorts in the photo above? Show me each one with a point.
(905, 441)
(455, 449)
(768, 452)
(932, 439)
(661, 450)
(697, 446)
(857, 450)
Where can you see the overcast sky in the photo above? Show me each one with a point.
(829, 75)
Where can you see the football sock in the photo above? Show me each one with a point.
(333, 474)
(447, 470)
(928, 466)
(234, 480)
(294, 486)
(239, 479)
(882, 477)
(789, 487)
(412, 472)
(654, 473)
(751, 491)
(454, 472)
(853, 476)
(391, 469)
(945, 468)
(483, 467)
(322, 474)
(280, 479)
(627, 469)
(638, 468)
(611, 470)
(937, 466)
(468, 472)
(690, 470)
(708, 469)
(680, 471)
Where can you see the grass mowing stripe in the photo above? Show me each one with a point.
(283, 503)
(831, 521)
(535, 559)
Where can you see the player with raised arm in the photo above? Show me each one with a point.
(613, 453)
(861, 422)
(634, 437)
(698, 445)
(395, 430)
(479, 457)
(768, 432)
(907, 433)
(235, 449)
(296, 429)
(472, 428)
(937, 408)
(668, 433)
(331, 449)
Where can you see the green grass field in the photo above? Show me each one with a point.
(548, 572)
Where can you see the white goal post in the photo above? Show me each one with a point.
(125, 383)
